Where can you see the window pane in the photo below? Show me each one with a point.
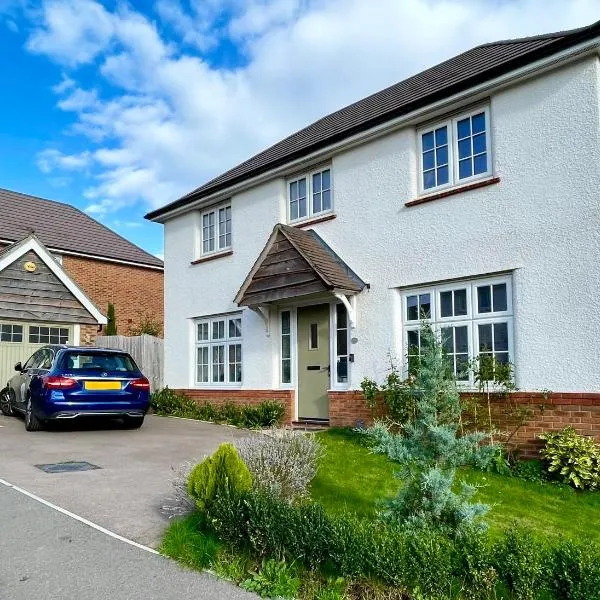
(464, 128)
(427, 140)
(317, 182)
(286, 371)
(460, 303)
(501, 357)
(412, 308)
(442, 175)
(462, 367)
(464, 148)
(285, 322)
(218, 330)
(313, 343)
(484, 299)
(465, 168)
(429, 179)
(235, 328)
(428, 160)
(293, 211)
(478, 122)
(286, 348)
(5, 336)
(425, 306)
(342, 369)
(294, 191)
(341, 316)
(302, 188)
(448, 339)
(317, 207)
(480, 164)
(302, 207)
(326, 179)
(342, 341)
(479, 144)
(485, 338)
(441, 136)
(446, 304)
(500, 300)
(461, 339)
(413, 342)
(500, 336)
(202, 332)
(326, 200)
(441, 155)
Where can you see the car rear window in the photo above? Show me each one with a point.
(86, 362)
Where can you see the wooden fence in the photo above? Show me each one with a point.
(146, 350)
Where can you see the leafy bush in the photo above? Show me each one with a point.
(267, 413)
(221, 475)
(276, 579)
(572, 458)
(575, 571)
(282, 465)
(530, 470)
(520, 559)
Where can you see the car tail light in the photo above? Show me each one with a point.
(140, 384)
(59, 383)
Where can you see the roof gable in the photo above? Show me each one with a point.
(295, 263)
(63, 227)
(42, 292)
(480, 64)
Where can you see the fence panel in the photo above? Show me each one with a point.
(147, 351)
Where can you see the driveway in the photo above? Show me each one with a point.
(46, 554)
(126, 493)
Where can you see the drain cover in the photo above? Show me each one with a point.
(67, 467)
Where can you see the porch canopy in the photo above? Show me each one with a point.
(297, 263)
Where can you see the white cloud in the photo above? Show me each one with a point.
(51, 160)
(174, 120)
(65, 84)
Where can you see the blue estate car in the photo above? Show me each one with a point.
(66, 382)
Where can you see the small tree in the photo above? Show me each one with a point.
(111, 325)
(148, 324)
(429, 449)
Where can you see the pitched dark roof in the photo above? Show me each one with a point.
(466, 70)
(63, 227)
(295, 263)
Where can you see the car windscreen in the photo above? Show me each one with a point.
(80, 361)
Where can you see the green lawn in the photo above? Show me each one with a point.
(351, 477)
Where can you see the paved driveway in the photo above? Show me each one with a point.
(126, 494)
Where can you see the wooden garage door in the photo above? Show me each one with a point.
(19, 340)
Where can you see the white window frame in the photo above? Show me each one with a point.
(471, 320)
(451, 124)
(12, 333)
(292, 358)
(218, 248)
(226, 341)
(308, 176)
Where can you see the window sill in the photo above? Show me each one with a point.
(314, 221)
(212, 257)
(455, 190)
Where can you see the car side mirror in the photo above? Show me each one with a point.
(18, 367)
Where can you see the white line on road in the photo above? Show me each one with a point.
(78, 518)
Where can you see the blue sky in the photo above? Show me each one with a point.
(121, 107)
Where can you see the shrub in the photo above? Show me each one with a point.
(282, 465)
(575, 571)
(276, 579)
(221, 475)
(169, 402)
(519, 559)
(572, 458)
(530, 470)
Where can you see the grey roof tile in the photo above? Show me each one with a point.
(63, 227)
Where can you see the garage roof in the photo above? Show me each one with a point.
(457, 74)
(63, 227)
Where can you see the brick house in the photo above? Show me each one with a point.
(459, 195)
(59, 270)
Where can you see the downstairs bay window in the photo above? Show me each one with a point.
(219, 350)
(474, 319)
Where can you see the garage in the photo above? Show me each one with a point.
(39, 304)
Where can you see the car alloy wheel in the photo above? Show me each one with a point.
(5, 403)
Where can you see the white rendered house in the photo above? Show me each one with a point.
(468, 194)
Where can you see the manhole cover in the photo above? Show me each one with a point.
(66, 467)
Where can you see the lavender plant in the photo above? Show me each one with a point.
(282, 463)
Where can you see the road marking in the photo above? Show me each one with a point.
(78, 518)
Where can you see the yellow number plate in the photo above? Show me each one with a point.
(102, 385)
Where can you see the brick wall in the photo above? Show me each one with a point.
(133, 290)
(582, 410)
(219, 397)
(87, 335)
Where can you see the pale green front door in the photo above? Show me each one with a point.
(313, 362)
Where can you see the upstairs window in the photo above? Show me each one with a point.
(310, 195)
(455, 151)
(216, 230)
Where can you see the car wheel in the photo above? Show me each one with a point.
(133, 422)
(32, 422)
(6, 403)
